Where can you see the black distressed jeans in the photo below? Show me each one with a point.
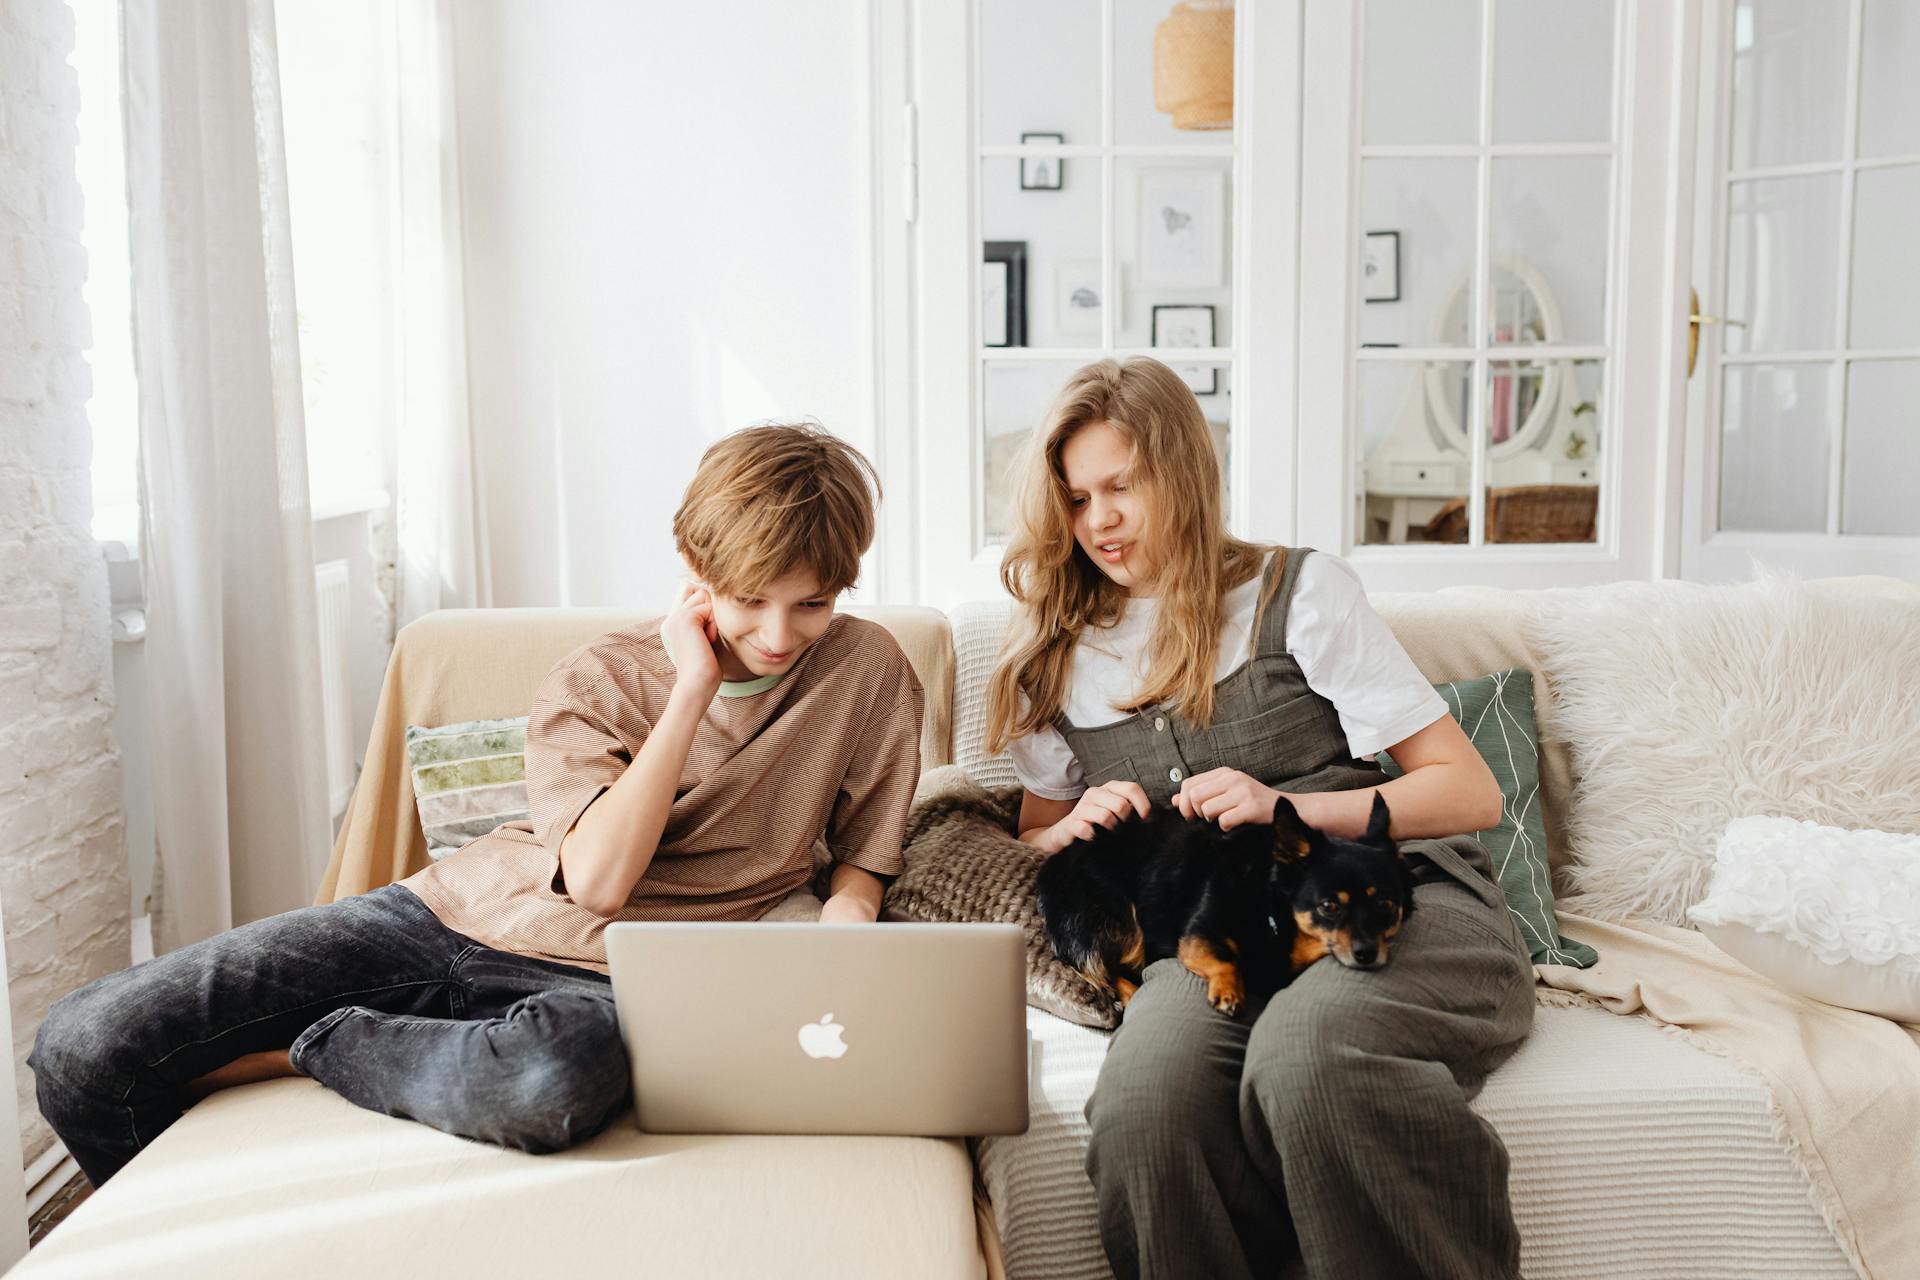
(378, 1001)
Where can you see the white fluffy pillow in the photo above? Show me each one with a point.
(1831, 914)
(1684, 707)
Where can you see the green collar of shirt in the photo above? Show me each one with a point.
(730, 688)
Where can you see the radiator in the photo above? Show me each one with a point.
(336, 614)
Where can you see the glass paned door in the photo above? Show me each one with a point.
(1486, 389)
(1106, 169)
(1805, 409)
(1486, 223)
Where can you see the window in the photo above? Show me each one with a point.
(338, 87)
(339, 95)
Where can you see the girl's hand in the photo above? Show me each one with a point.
(691, 630)
(1226, 796)
(1101, 806)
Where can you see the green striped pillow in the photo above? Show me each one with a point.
(467, 779)
(1497, 713)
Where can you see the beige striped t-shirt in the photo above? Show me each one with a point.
(828, 751)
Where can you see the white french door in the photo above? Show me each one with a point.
(1492, 287)
(1803, 444)
(1059, 217)
(1514, 161)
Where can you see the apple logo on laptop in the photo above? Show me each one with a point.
(822, 1039)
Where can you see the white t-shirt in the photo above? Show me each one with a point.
(1346, 652)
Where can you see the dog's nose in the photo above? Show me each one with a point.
(1365, 955)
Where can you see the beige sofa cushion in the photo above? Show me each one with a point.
(288, 1180)
(477, 664)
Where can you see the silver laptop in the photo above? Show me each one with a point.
(809, 1028)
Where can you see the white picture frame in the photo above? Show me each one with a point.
(1188, 325)
(1182, 225)
(1078, 302)
(993, 304)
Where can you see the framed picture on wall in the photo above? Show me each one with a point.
(1077, 298)
(1043, 173)
(1182, 214)
(1380, 267)
(1186, 325)
(1003, 294)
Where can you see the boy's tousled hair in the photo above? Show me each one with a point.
(774, 499)
(1060, 592)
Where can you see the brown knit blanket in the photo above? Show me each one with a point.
(964, 864)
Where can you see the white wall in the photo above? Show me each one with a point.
(667, 237)
(63, 863)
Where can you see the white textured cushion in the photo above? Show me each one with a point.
(1829, 913)
(1688, 706)
(979, 631)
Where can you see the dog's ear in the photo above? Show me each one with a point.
(1377, 823)
(1292, 838)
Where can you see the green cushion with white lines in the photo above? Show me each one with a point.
(467, 779)
(1497, 713)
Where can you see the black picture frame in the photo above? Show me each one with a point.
(1384, 243)
(1013, 253)
(1036, 170)
(1201, 379)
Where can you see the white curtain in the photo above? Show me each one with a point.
(442, 539)
(241, 819)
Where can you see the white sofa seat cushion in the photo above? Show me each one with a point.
(287, 1179)
(1635, 1155)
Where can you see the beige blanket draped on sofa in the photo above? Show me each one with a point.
(1845, 1085)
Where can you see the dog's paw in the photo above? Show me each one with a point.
(1226, 994)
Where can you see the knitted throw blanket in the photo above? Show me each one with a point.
(965, 864)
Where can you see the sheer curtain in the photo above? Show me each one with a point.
(239, 776)
(442, 557)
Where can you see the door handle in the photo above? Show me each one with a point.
(1694, 321)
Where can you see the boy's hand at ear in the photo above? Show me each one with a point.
(692, 633)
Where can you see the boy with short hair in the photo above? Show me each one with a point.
(683, 769)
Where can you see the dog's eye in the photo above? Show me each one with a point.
(1329, 907)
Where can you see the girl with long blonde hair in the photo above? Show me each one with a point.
(1156, 660)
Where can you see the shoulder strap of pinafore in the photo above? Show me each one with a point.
(1270, 628)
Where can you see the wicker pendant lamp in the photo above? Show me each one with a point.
(1193, 64)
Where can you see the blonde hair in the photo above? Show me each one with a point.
(1060, 592)
(771, 500)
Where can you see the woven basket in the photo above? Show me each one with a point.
(1524, 513)
(1542, 513)
(1193, 65)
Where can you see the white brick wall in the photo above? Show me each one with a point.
(63, 863)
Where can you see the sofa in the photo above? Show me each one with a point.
(1635, 1152)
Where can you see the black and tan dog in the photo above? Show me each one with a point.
(1246, 909)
